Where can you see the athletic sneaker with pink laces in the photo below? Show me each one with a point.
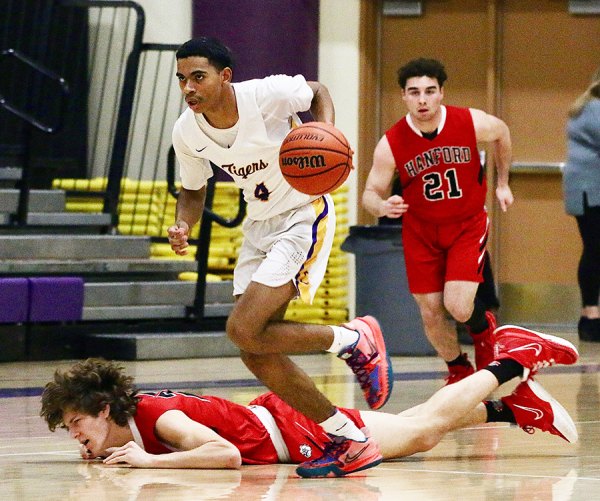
(533, 407)
(533, 350)
(458, 372)
(369, 361)
(342, 456)
(483, 342)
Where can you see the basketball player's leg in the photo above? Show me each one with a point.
(266, 278)
(425, 270)
(459, 299)
(452, 407)
(256, 326)
(462, 404)
(465, 263)
(279, 259)
(282, 376)
(438, 328)
(286, 256)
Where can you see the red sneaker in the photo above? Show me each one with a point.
(483, 343)
(369, 361)
(534, 407)
(458, 372)
(533, 350)
(341, 457)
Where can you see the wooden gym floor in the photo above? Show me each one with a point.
(490, 462)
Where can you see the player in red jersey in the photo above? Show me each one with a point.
(433, 151)
(97, 403)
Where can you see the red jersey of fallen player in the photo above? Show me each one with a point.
(236, 423)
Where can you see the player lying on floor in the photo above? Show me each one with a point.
(97, 403)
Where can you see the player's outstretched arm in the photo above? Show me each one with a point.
(197, 446)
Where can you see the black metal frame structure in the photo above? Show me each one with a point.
(121, 136)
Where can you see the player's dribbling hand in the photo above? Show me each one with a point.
(178, 237)
(129, 454)
(394, 207)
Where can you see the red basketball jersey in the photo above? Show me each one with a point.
(236, 423)
(233, 422)
(442, 179)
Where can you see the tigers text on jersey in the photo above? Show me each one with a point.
(442, 178)
(265, 107)
(243, 426)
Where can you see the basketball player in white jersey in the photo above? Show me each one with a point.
(239, 127)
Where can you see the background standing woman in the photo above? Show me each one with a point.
(581, 183)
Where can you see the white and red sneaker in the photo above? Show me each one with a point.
(533, 350)
(533, 407)
(483, 343)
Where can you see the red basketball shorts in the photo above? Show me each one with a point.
(299, 433)
(438, 253)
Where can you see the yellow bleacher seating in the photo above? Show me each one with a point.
(146, 208)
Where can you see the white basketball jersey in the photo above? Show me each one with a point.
(265, 107)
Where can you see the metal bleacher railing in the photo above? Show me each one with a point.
(31, 122)
(126, 104)
(130, 100)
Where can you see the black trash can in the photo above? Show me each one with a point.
(382, 288)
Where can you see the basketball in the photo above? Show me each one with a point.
(315, 158)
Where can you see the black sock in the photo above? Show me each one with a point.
(497, 412)
(460, 360)
(505, 369)
(477, 323)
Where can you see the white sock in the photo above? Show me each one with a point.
(342, 338)
(339, 424)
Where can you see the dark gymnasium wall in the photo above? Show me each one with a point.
(266, 36)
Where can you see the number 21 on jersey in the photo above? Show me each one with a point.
(439, 186)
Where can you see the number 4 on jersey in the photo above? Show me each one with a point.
(261, 192)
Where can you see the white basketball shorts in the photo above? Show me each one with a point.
(293, 246)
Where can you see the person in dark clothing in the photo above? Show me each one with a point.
(581, 186)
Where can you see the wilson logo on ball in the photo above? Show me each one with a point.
(314, 161)
(304, 137)
(315, 158)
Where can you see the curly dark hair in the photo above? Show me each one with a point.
(87, 387)
(422, 67)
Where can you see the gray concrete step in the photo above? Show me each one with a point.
(109, 268)
(39, 200)
(46, 208)
(159, 346)
(10, 173)
(139, 300)
(129, 293)
(73, 247)
(133, 312)
(144, 312)
(68, 219)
